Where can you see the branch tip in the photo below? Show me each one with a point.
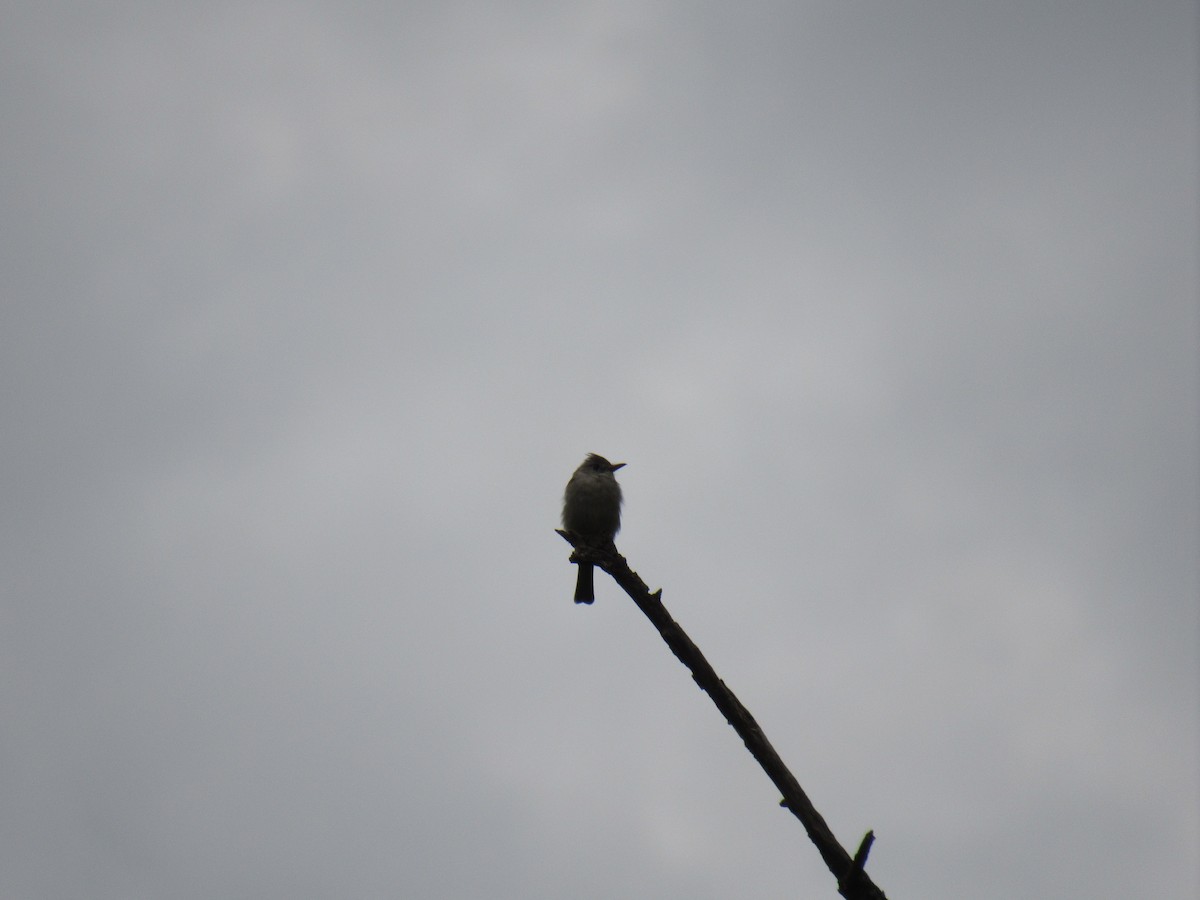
(859, 863)
(860, 855)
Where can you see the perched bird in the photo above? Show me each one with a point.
(592, 509)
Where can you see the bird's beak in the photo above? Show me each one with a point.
(616, 466)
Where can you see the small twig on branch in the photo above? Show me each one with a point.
(853, 881)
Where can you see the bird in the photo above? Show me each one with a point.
(592, 510)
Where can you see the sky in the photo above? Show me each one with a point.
(310, 310)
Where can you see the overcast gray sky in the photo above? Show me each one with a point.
(310, 310)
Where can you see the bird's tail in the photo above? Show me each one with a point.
(584, 587)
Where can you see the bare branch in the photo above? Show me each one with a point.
(853, 881)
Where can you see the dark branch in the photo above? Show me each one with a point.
(853, 881)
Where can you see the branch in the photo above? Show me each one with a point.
(853, 881)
